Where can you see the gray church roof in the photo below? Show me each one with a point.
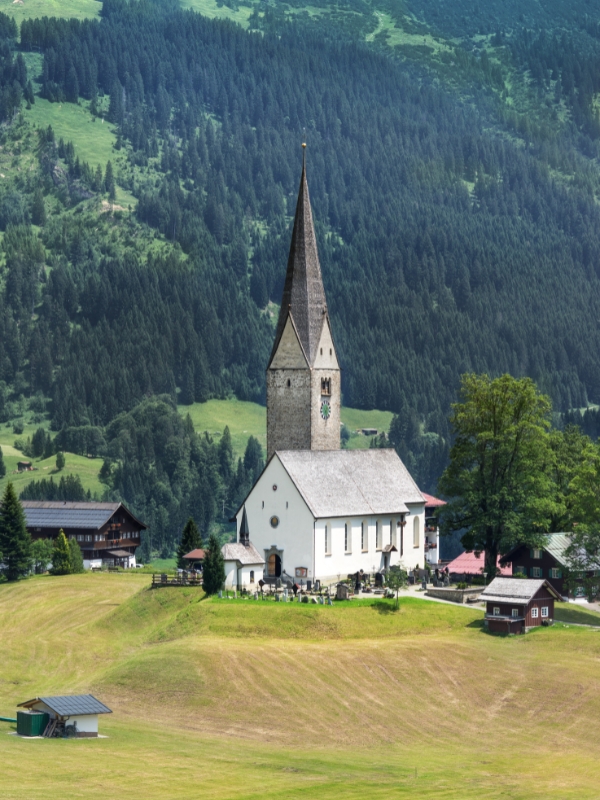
(244, 554)
(303, 292)
(347, 483)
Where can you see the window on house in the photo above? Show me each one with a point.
(416, 532)
(327, 542)
(326, 386)
(520, 571)
(536, 572)
(515, 612)
(363, 538)
(544, 611)
(536, 554)
(496, 611)
(251, 576)
(377, 536)
(555, 573)
(534, 612)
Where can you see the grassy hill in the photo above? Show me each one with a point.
(250, 419)
(236, 699)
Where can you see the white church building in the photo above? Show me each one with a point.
(318, 512)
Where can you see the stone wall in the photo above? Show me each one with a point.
(288, 410)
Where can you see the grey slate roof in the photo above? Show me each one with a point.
(346, 483)
(244, 554)
(71, 704)
(515, 590)
(303, 292)
(46, 514)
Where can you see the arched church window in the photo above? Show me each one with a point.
(251, 576)
(326, 386)
(416, 532)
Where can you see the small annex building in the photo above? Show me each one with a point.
(107, 533)
(514, 605)
(244, 565)
(81, 710)
(195, 558)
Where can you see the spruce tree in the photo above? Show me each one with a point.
(15, 541)
(38, 208)
(76, 556)
(60, 460)
(213, 573)
(2, 465)
(190, 540)
(61, 555)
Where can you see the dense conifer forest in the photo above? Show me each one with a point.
(455, 199)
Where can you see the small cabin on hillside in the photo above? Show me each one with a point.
(550, 562)
(514, 605)
(108, 533)
(77, 710)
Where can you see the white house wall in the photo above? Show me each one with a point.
(297, 530)
(294, 534)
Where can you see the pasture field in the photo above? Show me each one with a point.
(26, 9)
(250, 419)
(244, 699)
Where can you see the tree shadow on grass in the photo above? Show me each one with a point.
(385, 607)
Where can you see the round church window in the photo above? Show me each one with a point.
(274, 487)
(274, 522)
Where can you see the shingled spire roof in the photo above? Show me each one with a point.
(244, 530)
(303, 293)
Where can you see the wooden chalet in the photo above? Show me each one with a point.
(108, 533)
(550, 562)
(514, 605)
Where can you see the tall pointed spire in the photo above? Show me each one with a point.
(244, 530)
(303, 292)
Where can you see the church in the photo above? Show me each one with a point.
(318, 512)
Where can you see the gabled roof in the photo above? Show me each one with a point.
(346, 483)
(432, 502)
(554, 543)
(303, 292)
(473, 564)
(195, 555)
(47, 514)
(516, 590)
(244, 554)
(70, 705)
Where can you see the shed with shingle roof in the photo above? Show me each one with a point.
(79, 709)
(513, 605)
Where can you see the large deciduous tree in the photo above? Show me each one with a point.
(498, 481)
(15, 541)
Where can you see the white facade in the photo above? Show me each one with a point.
(244, 576)
(87, 723)
(321, 547)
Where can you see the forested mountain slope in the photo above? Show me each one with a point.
(454, 183)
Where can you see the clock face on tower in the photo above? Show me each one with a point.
(325, 409)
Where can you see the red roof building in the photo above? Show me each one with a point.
(473, 564)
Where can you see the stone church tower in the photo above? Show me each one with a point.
(303, 375)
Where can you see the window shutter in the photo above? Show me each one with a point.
(559, 573)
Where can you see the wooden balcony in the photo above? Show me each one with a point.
(112, 544)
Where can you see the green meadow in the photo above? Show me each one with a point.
(245, 699)
(250, 419)
(26, 9)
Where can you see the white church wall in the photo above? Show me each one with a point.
(333, 560)
(294, 533)
(231, 576)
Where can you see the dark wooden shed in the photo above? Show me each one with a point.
(514, 605)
